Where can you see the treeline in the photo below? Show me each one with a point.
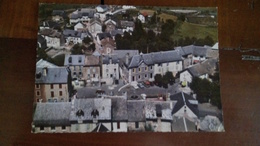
(147, 41)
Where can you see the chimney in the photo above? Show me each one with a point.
(127, 59)
(45, 71)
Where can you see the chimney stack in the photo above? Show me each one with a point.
(45, 71)
(127, 59)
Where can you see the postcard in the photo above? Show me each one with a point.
(120, 68)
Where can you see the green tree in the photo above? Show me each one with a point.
(170, 78)
(76, 49)
(87, 40)
(158, 79)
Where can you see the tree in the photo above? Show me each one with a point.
(87, 40)
(76, 49)
(158, 79)
(169, 77)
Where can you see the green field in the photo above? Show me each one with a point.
(186, 29)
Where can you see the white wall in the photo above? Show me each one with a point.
(123, 127)
(185, 77)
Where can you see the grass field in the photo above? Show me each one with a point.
(193, 30)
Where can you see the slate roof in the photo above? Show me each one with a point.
(126, 24)
(114, 58)
(95, 20)
(180, 103)
(178, 125)
(154, 58)
(50, 24)
(74, 60)
(81, 13)
(52, 114)
(100, 128)
(42, 63)
(195, 50)
(119, 109)
(122, 53)
(115, 32)
(136, 110)
(88, 105)
(206, 67)
(50, 33)
(151, 108)
(104, 35)
(57, 75)
(71, 33)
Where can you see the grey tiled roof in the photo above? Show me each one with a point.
(122, 53)
(115, 32)
(104, 35)
(178, 125)
(50, 33)
(74, 60)
(155, 58)
(119, 109)
(107, 58)
(88, 105)
(42, 63)
(71, 33)
(195, 50)
(166, 109)
(206, 67)
(57, 75)
(136, 110)
(52, 114)
(180, 103)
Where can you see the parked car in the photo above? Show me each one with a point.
(140, 85)
(146, 84)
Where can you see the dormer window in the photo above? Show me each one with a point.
(70, 59)
(80, 113)
(94, 113)
(80, 60)
(38, 75)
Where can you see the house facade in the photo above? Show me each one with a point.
(146, 66)
(52, 37)
(92, 69)
(72, 36)
(75, 63)
(95, 26)
(52, 84)
(110, 69)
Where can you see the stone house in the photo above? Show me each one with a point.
(110, 69)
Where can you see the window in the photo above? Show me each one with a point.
(37, 86)
(133, 78)
(114, 69)
(60, 86)
(151, 67)
(60, 93)
(41, 128)
(38, 93)
(136, 125)
(52, 94)
(63, 127)
(139, 69)
(146, 68)
(118, 125)
(94, 75)
(151, 75)
(52, 128)
(139, 77)
(145, 76)
(51, 86)
(133, 70)
(111, 75)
